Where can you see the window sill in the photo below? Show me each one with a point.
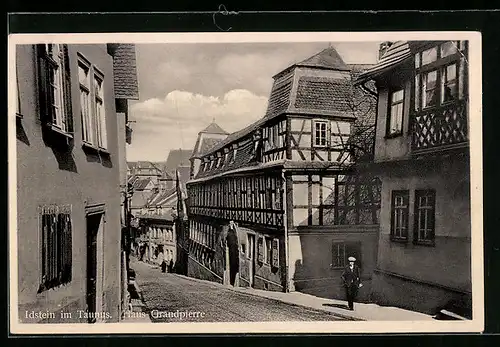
(59, 131)
(103, 151)
(392, 136)
(424, 243)
(89, 147)
(399, 240)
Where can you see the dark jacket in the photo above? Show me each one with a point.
(351, 277)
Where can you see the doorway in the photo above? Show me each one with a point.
(95, 273)
(251, 257)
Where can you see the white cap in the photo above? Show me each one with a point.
(351, 259)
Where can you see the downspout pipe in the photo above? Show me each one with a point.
(285, 223)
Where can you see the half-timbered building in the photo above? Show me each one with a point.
(286, 182)
(422, 158)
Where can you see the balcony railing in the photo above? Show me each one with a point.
(440, 128)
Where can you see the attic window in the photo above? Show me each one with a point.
(235, 150)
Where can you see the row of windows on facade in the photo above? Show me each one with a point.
(257, 192)
(167, 234)
(273, 138)
(317, 200)
(336, 200)
(436, 83)
(54, 73)
(424, 216)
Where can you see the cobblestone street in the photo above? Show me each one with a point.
(165, 294)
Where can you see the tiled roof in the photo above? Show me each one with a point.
(141, 183)
(395, 55)
(125, 72)
(325, 94)
(280, 95)
(177, 158)
(139, 199)
(156, 199)
(214, 128)
(326, 59)
(244, 157)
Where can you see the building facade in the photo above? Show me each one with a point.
(422, 159)
(68, 145)
(286, 181)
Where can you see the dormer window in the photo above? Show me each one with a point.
(436, 78)
(219, 159)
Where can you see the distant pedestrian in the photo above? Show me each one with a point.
(163, 266)
(171, 266)
(352, 282)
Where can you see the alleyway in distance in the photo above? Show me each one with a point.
(166, 293)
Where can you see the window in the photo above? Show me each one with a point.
(436, 79)
(449, 90)
(338, 255)
(54, 83)
(341, 251)
(269, 251)
(55, 247)
(399, 215)
(424, 216)
(320, 133)
(93, 117)
(102, 139)
(83, 76)
(395, 121)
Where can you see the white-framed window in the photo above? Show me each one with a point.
(425, 201)
(85, 101)
(436, 78)
(102, 137)
(93, 116)
(54, 83)
(320, 133)
(399, 214)
(395, 114)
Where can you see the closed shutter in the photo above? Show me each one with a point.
(44, 89)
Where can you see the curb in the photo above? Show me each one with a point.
(242, 291)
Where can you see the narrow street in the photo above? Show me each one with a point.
(165, 294)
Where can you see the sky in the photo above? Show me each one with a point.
(184, 87)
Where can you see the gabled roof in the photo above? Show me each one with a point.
(397, 53)
(177, 158)
(214, 128)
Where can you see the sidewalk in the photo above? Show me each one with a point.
(364, 312)
(136, 311)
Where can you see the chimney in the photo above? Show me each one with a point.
(384, 46)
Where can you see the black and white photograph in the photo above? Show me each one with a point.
(245, 182)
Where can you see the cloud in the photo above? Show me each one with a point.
(175, 120)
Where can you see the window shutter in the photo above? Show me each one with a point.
(43, 85)
(67, 90)
(275, 252)
(260, 250)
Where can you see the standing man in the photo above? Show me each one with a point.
(352, 282)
